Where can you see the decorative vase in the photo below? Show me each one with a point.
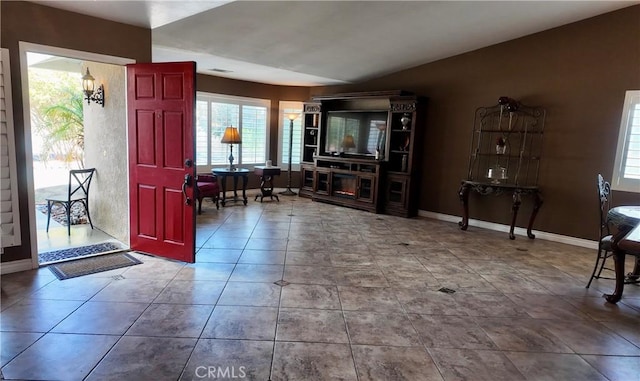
(404, 162)
(405, 120)
(405, 145)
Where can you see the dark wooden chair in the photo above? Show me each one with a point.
(605, 236)
(207, 186)
(78, 191)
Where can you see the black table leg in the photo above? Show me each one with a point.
(517, 200)
(618, 260)
(235, 188)
(223, 180)
(537, 203)
(270, 189)
(464, 198)
(262, 190)
(266, 188)
(245, 179)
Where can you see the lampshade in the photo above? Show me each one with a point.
(348, 142)
(292, 117)
(231, 136)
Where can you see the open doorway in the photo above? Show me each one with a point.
(58, 144)
(68, 133)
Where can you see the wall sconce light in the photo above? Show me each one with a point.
(88, 86)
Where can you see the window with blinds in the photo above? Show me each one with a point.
(626, 176)
(286, 108)
(216, 112)
(9, 211)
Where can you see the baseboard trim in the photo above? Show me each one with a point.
(505, 228)
(15, 266)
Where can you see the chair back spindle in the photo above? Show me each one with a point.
(604, 193)
(80, 181)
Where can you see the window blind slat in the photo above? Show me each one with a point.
(287, 108)
(632, 154)
(7, 231)
(10, 214)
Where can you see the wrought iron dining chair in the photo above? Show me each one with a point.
(605, 237)
(77, 192)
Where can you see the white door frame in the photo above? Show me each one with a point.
(25, 47)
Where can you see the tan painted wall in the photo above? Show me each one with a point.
(105, 140)
(579, 72)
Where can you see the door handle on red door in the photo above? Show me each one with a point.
(185, 184)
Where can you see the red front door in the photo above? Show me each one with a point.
(160, 109)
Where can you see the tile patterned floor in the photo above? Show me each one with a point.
(362, 303)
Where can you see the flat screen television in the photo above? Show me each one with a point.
(355, 133)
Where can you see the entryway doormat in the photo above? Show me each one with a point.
(59, 255)
(86, 266)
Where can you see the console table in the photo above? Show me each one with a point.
(504, 156)
(485, 188)
(266, 181)
(223, 173)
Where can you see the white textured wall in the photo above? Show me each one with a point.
(105, 132)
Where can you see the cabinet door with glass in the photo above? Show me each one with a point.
(307, 174)
(365, 190)
(396, 197)
(323, 181)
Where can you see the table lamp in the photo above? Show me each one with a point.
(231, 136)
(348, 143)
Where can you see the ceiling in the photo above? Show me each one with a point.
(311, 43)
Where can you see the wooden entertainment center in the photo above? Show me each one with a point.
(361, 150)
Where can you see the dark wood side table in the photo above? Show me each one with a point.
(626, 240)
(484, 188)
(223, 173)
(266, 181)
